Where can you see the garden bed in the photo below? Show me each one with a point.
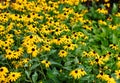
(59, 41)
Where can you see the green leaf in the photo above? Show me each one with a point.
(67, 68)
(114, 39)
(76, 60)
(115, 8)
(52, 75)
(52, 52)
(81, 7)
(34, 77)
(34, 66)
(55, 63)
(118, 81)
(27, 73)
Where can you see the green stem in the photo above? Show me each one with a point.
(42, 71)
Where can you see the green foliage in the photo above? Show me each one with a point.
(55, 41)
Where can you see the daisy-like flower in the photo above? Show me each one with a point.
(70, 46)
(3, 79)
(102, 76)
(113, 46)
(62, 53)
(3, 71)
(106, 0)
(13, 76)
(46, 63)
(117, 73)
(33, 50)
(111, 80)
(113, 27)
(103, 11)
(46, 47)
(77, 73)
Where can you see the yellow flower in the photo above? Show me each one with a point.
(3, 71)
(117, 73)
(106, 0)
(9, 54)
(40, 82)
(99, 61)
(113, 27)
(77, 73)
(70, 46)
(3, 79)
(111, 80)
(103, 76)
(103, 11)
(32, 50)
(87, 27)
(118, 64)
(46, 63)
(102, 22)
(57, 31)
(13, 76)
(62, 53)
(107, 5)
(46, 47)
(113, 46)
(1, 43)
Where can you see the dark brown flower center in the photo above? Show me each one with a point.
(56, 30)
(1, 69)
(13, 75)
(76, 71)
(46, 46)
(63, 52)
(6, 47)
(68, 45)
(46, 61)
(96, 60)
(33, 49)
(75, 35)
(101, 73)
(28, 16)
(31, 36)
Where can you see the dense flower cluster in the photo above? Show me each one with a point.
(59, 41)
(6, 77)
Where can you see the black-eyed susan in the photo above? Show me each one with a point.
(63, 53)
(13, 76)
(46, 47)
(113, 27)
(114, 46)
(106, 57)
(58, 31)
(9, 54)
(17, 64)
(117, 73)
(102, 11)
(106, 0)
(77, 73)
(92, 53)
(111, 80)
(103, 76)
(4, 79)
(118, 64)
(70, 46)
(57, 41)
(3, 71)
(46, 63)
(32, 50)
(99, 61)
